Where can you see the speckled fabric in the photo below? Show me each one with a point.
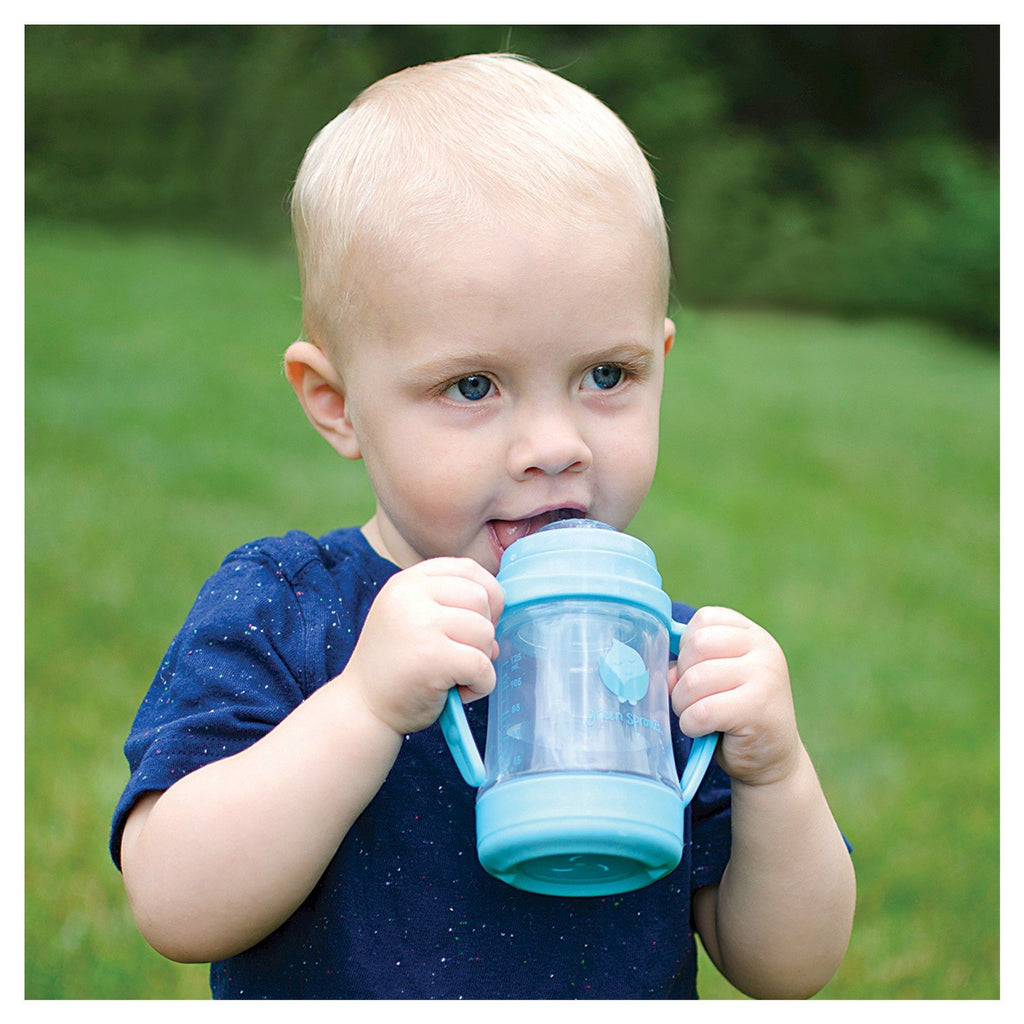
(404, 909)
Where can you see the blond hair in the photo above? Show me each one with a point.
(446, 143)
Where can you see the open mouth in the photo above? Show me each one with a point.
(507, 531)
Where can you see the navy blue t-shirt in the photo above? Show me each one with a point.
(404, 909)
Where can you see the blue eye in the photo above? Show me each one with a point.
(472, 388)
(605, 376)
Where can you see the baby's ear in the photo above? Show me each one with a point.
(670, 335)
(321, 393)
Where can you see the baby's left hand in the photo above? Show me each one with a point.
(732, 678)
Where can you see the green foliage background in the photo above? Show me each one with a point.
(843, 168)
(836, 477)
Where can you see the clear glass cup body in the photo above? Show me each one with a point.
(582, 686)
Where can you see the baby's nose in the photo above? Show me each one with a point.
(548, 443)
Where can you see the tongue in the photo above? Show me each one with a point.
(509, 530)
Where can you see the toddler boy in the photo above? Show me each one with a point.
(485, 278)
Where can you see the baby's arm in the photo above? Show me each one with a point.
(779, 922)
(224, 856)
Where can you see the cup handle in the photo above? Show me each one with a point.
(703, 748)
(455, 729)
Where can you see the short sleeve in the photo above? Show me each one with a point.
(232, 673)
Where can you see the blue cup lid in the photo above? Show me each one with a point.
(582, 558)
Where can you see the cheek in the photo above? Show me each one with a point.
(635, 445)
(631, 460)
(426, 473)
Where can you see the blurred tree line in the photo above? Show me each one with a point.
(853, 169)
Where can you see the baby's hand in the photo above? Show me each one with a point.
(430, 628)
(732, 678)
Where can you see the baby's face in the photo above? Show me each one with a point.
(505, 380)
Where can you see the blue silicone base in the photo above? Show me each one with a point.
(579, 833)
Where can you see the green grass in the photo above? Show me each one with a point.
(837, 481)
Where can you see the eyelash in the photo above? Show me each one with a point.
(627, 372)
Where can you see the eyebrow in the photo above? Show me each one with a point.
(630, 352)
(450, 365)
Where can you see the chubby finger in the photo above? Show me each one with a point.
(719, 711)
(462, 571)
(458, 592)
(715, 615)
(473, 674)
(714, 641)
(469, 627)
(704, 679)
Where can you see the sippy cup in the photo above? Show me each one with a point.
(578, 792)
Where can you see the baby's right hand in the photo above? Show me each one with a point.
(430, 628)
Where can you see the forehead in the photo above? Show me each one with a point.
(508, 295)
(496, 257)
